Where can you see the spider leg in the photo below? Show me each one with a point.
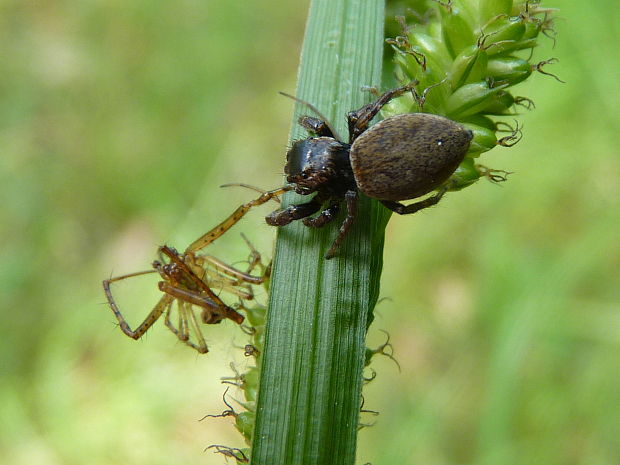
(151, 318)
(255, 260)
(351, 199)
(183, 333)
(414, 207)
(315, 126)
(294, 212)
(201, 345)
(249, 186)
(237, 287)
(321, 124)
(202, 265)
(229, 222)
(360, 119)
(212, 303)
(187, 321)
(229, 270)
(177, 332)
(324, 217)
(218, 274)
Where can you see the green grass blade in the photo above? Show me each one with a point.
(310, 389)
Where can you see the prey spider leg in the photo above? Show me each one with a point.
(229, 222)
(151, 318)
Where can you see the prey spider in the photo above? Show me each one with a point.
(189, 279)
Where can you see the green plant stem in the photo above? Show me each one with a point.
(311, 380)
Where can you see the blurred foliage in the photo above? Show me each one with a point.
(118, 121)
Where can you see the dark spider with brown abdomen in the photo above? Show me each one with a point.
(402, 157)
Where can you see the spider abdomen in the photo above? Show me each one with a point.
(408, 155)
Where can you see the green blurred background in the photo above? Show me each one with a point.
(118, 122)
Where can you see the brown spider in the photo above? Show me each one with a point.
(189, 280)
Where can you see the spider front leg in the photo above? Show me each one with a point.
(150, 319)
(401, 209)
(360, 119)
(229, 222)
(294, 212)
(315, 126)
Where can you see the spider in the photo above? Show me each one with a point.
(189, 279)
(402, 157)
